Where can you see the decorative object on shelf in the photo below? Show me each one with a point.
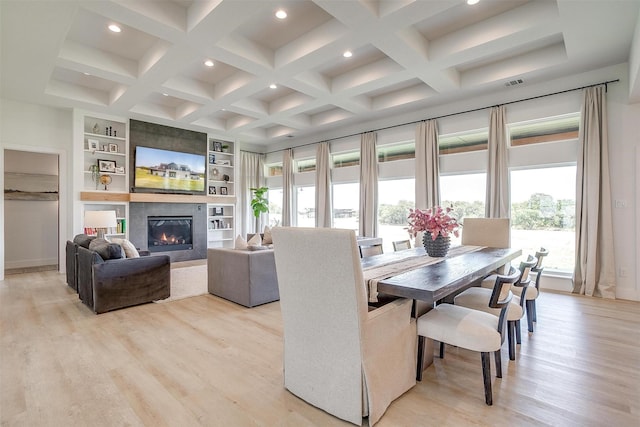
(107, 165)
(92, 144)
(96, 128)
(224, 162)
(223, 191)
(214, 172)
(113, 148)
(95, 174)
(212, 159)
(212, 190)
(100, 220)
(437, 224)
(217, 146)
(225, 148)
(120, 169)
(105, 180)
(225, 178)
(104, 147)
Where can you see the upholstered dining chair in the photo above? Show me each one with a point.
(471, 329)
(491, 232)
(400, 245)
(478, 298)
(371, 250)
(533, 291)
(338, 355)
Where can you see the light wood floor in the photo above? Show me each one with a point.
(203, 361)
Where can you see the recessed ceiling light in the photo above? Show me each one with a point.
(472, 2)
(86, 74)
(347, 54)
(115, 28)
(281, 14)
(208, 63)
(273, 86)
(165, 94)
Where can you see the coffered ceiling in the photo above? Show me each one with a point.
(406, 55)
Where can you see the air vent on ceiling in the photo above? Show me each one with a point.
(514, 82)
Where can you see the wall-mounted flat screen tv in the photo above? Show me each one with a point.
(169, 171)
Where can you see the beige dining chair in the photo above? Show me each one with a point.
(477, 298)
(534, 291)
(491, 232)
(471, 329)
(338, 355)
(366, 251)
(400, 245)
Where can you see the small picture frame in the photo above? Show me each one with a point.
(106, 165)
(212, 190)
(224, 162)
(93, 144)
(217, 146)
(120, 169)
(113, 148)
(223, 191)
(212, 159)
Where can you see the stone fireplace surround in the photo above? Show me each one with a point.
(138, 213)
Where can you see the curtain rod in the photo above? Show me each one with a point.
(451, 114)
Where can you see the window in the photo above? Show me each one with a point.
(346, 204)
(463, 142)
(341, 160)
(306, 206)
(274, 169)
(306, 165)
(275, 196)
(543, 214)
(466, 193)
(395, 198)
(551, 129)
(398, 151)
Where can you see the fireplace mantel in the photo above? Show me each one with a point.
(101, 196)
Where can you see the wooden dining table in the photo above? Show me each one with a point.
(441, 278)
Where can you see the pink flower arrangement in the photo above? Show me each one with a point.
(436, 221)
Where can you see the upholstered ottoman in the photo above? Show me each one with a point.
(242, 276)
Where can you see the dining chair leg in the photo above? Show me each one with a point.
(441, 350)
(518, 333)
(486, 375)
(511, 330)
(530, 314)
(535, 313)
(420, 358)
(498, 356)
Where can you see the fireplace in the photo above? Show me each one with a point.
(169, 233)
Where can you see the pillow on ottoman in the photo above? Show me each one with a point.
(105, 249)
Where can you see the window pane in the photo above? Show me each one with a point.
(274, 169)
(346, 199)
(466, 193)
(306, 206)
(403, 150)
(306, 165)
(395, 198)
(543, 214)
(275, 207)
(463, 142)
(552, 129)
(341, 160)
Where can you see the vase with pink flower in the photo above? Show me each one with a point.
(437, 225)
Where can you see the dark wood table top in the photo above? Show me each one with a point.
(436, 281)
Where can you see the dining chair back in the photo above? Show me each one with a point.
(338, 355)
(491, 232)
(366, 251)
(400, 245)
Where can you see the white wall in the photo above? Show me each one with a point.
(39, 129)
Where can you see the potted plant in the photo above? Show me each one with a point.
(225, 148)
(259, 203)
(437, 224)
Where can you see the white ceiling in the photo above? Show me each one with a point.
(407, 55)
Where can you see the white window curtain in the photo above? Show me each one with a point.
(251, 176)
(498, 199)
(427, 165)
(287, 187)
(594, 273)
(323, 186)
(368, 185)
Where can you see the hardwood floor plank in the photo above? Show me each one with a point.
(204, 361)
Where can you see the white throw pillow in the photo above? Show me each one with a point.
(267, 240)
(240, 243)
(130, 251)
(256, 240)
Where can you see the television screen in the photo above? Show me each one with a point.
(169, 171)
